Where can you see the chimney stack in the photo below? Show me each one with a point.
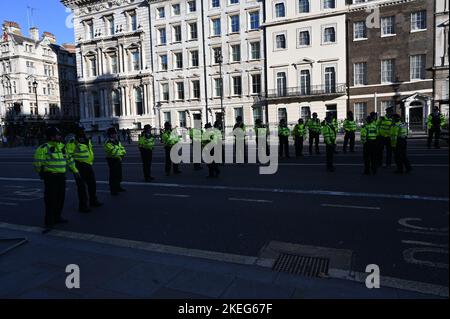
(13, 27)
(34, 34)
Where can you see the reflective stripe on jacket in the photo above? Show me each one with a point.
(349, 126)
(146, 142)
(52, 158)
(329, 134)
(114, 149)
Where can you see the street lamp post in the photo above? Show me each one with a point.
(158, 107)
(35, 85)
(219, 59)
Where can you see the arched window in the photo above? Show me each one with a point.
(116, 103)
(138, 101)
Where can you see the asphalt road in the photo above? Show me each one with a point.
(383, 219)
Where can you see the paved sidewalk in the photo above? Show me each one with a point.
(37, 270)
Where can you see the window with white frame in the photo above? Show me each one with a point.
(329, 4)
(417, 66)
(215, 3)
(282, 114)
(113, 63)
(256, 83)
(235, 23)
(217, 54)
(176, 9)
(163, 66)
(237, 85)
(182, 118)
(180, 90)
(177, 33)
(281, 84)
(136, 60)
(255, 50)
(196, 89)
(235, 53)
(280, 10)
(162, 36)
(216, 28)
(110, 25)
(192, 6)
(360, 112)
(218, 87)
(305, 82)
(329, 35)
(167, 117)
(304, 38)
(388, 71)
(388, 26)
(165, 91)
(360, 73)
(161, 11)
(254, 20)
(418, 20)
(330, 79)
(280, 41)
(193, 31)
(386, 105)
(303, 6)
(178, 60)
(132, 21)
(194, 58)
(359, 30)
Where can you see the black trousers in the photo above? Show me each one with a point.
(284, 146)
(330, 148)
(385, 143)
(298, 145)
(147, 157)
(238, 151)
(169, 163)
(313, 139)
(401, 156)
(370, 153)
(115, 174)
(349, 136)
(54, 195)
(437, 135)
(88, 195)
(213, 168)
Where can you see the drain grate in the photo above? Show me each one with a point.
(302, 265)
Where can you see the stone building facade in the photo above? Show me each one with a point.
(37, 76)
(390, 45)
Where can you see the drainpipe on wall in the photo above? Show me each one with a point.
(266, 95)
(152, 66)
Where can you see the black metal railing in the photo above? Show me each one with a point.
(313, 90)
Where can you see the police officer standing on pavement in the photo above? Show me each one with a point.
(195, 135)
(435, 123)
(115, 153)
(146, 144)
(81, 150)
(384, 124)
(314, 129)
(170, 139)
(51, 162)
(240, 126)
(299, 136)
(350, 129)
(329, 138)
(211, 137)
(369, 135)
(283, 135)
(399, 145)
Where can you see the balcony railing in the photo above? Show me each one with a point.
(314, 90)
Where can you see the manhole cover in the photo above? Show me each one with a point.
(302, 265)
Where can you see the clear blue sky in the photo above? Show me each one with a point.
(49, 15)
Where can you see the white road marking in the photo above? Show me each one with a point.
(262, 190)
(405, 222)
(8, 204)
(172, 195)
(249, 200)
(350, 206)
(409, 256)
(423, 243)
(421, 232)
